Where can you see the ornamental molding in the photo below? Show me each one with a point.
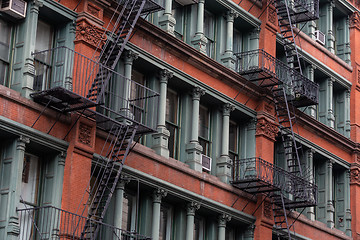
(355, 175)
(267, 128)
(89, 33)
(268, 211)
(85, 134)
(355, 20)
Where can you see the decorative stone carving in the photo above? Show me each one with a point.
(272, 18)
(223, 219)
(266, 128)
(90, 34)
(158, 194)
(354, 175)
(85, 134)
(191, 208)
(197, 92)
(268, 210)
(355, 20)
(227, 108)
(165, 75)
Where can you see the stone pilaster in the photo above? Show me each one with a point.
(194, 149)
(229, 59)
(330, 118)
(157, 196)
(330, 210)
(223, 219)
(161, 138)
(190, 217)
(119, 197)
(330, 38)
(199, 41)
(224, 163)
(309, 158)
(167, 21)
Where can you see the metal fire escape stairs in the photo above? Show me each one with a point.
(289, 13)
(120, 133)
(287, 189)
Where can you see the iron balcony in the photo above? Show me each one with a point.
(53, 223)
(255, 175)
(299, 10)
(62, 81)
(264, 70)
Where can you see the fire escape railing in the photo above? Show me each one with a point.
(53, 223)
(67, 69)
(260, 66)
(300, 10)
(255, 175)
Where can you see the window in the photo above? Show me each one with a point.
(5, 40)
(172, 104)
(129, 213)
(199, 228)
(178, 12)
(44, 40)
(209, 31)
(137, 93)
(30, 181)
(233, 141)
(237, 43)
(165, 222)
(204, 129)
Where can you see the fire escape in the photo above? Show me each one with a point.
(288, 189)
(85, 87)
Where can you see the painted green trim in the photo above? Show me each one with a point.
(188, 195)
(34, 135)
(321, 66)
(191, 80)
(322, 151)
(61, 9)
(242, 12)
(348, 6)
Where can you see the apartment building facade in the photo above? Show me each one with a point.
(162, 120)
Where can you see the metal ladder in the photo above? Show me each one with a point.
(114, 46)
(117, 147)
(281, 216)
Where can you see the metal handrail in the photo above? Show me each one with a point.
(66, 68)
(49, 222)
(251, 61)
(257, 169)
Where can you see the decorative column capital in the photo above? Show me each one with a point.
(227, 108)
(255, 34)
(310, 153)
(129, 56)
(332, 4)
(122, 182)
(165, 75)
(331, 82)
(21, 142)
(61, 158)
(330, 163)
(197, 92)
(191, 208)
(158, 194)
(38, 3)
(223, 219)
(201, 1)
(249, 233)
(347, 93)
(231, 15)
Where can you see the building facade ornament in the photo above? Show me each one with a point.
(158, 194)
(191, 208)
(197, 92)
(85, 134)
(89, 34)
(165, 75)
(266, 128)
(268, 211)
(355, 20)
(355, 175)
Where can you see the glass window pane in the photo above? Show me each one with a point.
(5, 30)
(233, 137)
(44, 37)
(171, 107)
(204, 122)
